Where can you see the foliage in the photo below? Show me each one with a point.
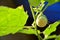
(40, 8)
(35, 3)
(11, 20)
(51, 28)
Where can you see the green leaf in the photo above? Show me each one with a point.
(51, 2)
(51, 36)
(29, 31)
(35, 2)
(58, 37)
(51, 28)
(12, 20)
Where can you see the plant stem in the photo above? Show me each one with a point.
(39, 37)
(32, 12)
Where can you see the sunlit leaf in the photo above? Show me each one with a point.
(35, 2)
(51, 28)
(12, 20)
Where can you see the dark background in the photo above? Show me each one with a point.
(52, 13)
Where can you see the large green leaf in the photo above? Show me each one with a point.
(51, 2)
(35, 2)
(51, 28)
(12, 20)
